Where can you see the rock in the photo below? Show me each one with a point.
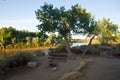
(71, 75)
(32, 64)
(89, 61)
(34, 55)
(54, 68)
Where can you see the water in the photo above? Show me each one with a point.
(46, 52)
(3, 54)
(78, 44)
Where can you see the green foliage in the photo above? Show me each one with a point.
(6, 34)
(19, 46)
(107, 31)
(10, 38)
(10, 46)
(50, 18)
(35, 42)
(118, 38)
(2, 48)
(63, 42)
(82, 21)
(63, 21)
(51, 39)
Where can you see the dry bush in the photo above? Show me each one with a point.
(93, 49)
(76, 50)
(14, 61)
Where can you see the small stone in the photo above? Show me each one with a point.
(32, 64)
(54, 68)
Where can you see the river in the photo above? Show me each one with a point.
(7, 53)
(78, 44)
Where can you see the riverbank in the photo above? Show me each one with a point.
(28, 49)
(41, 48)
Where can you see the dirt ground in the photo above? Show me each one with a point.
(102, 69)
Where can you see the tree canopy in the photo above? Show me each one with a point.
(75, 20)
(107, 31)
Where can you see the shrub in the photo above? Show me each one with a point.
(115, 50)
(10, 46)
(3, 68)
(19, 45)
(2, 48)
(93, 49)
(39, 53)
(16, 60)
(2, 65)
(19, 59)
(76, 50)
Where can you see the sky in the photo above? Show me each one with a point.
(20, 14)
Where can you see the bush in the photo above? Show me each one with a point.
(14, 61)
(19, 46)
(76, 50)
(2, 48)
(19, 59)
(61, 49)
(10, 46)
(115, 50)
(93, 49)
(2, 65)
(39, 53)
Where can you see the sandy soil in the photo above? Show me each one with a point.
(102, 69)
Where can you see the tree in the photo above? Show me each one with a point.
(118, 38)
(91, 31)
(107, 31)
(35, 41)
(65, 22)
(6, 35)
(51, 39)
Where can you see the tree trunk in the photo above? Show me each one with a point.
(67, 46)
(89, 44)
